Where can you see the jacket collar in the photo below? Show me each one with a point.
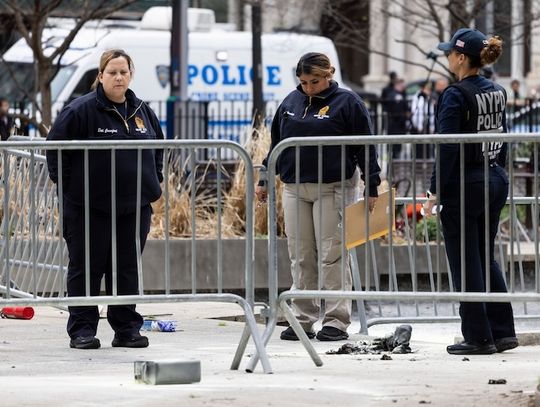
(103, 101)
(325, 93)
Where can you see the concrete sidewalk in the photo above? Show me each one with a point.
(39, 369)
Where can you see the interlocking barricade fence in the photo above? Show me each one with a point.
(33, 252)
(405, 276)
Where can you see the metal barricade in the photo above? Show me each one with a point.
(436, 301)
(33, 251)
(35, 256)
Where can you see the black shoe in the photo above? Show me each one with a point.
(471, 348)
(507, 343)
(289, 335)
(85, 342)
(330, 333)
(134, 341)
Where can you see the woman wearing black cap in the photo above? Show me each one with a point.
(319, 107)
(473, 104)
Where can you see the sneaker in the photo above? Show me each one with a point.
(289, 335)
(85, 342)
(134, 341)
(330, 333)
(507, 343)
(471, 348)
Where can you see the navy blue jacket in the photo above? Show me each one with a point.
(94, 117)
(333, 112)
(5, 127)
(455, 115)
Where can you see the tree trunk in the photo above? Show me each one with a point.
(44, 78)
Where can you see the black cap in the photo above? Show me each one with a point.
(467, 41)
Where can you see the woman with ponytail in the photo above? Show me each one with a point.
(473, 104)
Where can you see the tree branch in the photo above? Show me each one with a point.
(98, 12)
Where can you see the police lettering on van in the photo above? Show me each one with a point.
(228, 75)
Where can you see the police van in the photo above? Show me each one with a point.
(219, 66)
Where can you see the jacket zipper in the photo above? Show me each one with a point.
(307, 108)
(114, 109)
(309, 104)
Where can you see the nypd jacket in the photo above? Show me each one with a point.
(94, 117)
(473, 105)
(333, 112)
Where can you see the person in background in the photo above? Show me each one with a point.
(392, 76)
(397, 113)
(514, 85)
(6, 120)
(319, 107)
(385, 98)
(440, 85)
(111, 112)
(423, 118)
(464, 108)
(515, 101)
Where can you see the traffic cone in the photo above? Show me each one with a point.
(17, 312)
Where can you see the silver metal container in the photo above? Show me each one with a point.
(182, 371)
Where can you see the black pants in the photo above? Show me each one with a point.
(83, 320)
(479, 321)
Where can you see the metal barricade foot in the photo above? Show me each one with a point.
(241, 348)
(300, 332)
(251, 325)
(265, 338)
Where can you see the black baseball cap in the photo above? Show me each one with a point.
(468, 41)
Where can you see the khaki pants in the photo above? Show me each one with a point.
(311, 231)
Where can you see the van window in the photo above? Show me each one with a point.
(16, 87)
(60, 79)
(85, 84)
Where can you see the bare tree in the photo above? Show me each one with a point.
(31, 19)
(436, 18)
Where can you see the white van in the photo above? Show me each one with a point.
(219, 66)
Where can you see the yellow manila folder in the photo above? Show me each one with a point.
(355, 220)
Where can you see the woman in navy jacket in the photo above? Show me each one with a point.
(473, 104)
(110, 112)
(319, 107)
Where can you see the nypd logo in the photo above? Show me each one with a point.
(162, 72)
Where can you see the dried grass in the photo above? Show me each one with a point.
(233, 219)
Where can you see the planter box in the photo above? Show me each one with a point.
(233, 263)
(233, 252)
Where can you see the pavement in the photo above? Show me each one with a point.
(37, 367)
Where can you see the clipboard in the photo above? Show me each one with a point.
(355, 224)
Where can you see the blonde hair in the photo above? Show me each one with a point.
(492, 51)
(315, 63)
(106, 57)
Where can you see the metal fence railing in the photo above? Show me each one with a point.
(406, 276)
(33, 252)
(403, 277)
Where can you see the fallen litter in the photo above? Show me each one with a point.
(159, 325)
(17, 312)
(497, 381)
(397, 343)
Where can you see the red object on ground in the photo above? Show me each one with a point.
(17, 312)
